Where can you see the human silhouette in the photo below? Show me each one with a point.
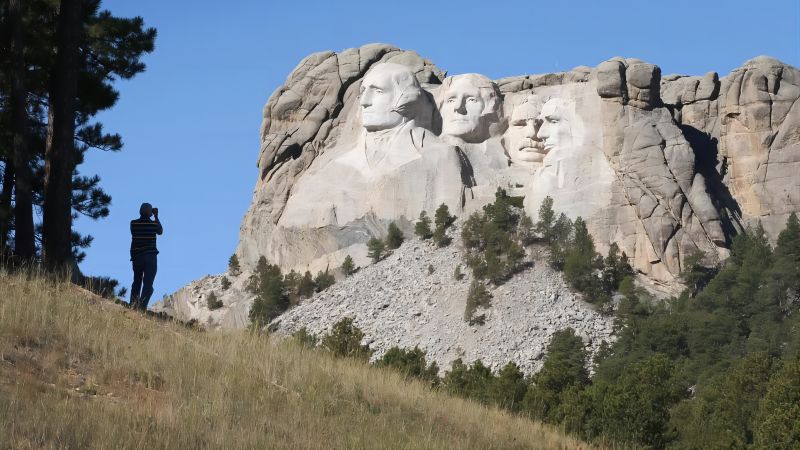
(144, 255)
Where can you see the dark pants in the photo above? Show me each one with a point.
(144, 272)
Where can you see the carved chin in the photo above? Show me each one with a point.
(377, 122)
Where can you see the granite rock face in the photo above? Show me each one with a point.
(663, 166)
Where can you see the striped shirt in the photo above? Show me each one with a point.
(143, 236)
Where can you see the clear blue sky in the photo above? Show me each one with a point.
(190, 123)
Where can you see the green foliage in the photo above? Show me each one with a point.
(306, 286)
(564, 367)
(213, 302)
(271, 296)
(721, 414)
(778, 417)
(226, 283)
(345, 341)
(423, 226)
(492, 240)
(508, 388)
(410, 363)
(376, 249)
(348, 266)
(478, 296)
(394, 237)
(547, 221)
(696, 274)
(442, 220)
(304, 338)
(431, 269)
(324, 280)
(233, 265)
(560, 239)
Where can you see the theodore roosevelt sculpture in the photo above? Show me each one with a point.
(394, 170)
(522, 142)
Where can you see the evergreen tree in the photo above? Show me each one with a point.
(375, 249)
(271, 297)
(324, 280)
(348, 267)
(777, 423)
(233, 265)
(509, 387)
(226, 283)
(560, 240)
(394, 238)
(423, 226)
(306, 286)
(547, 220)
(581, 262)
(442, 217)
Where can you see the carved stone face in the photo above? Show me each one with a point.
(469, 105)
(556, 130)
(385, 91)
(524, 145)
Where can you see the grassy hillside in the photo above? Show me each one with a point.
(79, 372)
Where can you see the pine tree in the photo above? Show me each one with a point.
(233, 265)
(375, 249)
(547, 220)
(324, 280)
(442, 217)
(423, 226)
(345, 341)
(306, 286)
(271, 296)
(478, 296)
(348, 266)
(212, 302)
(394, 238)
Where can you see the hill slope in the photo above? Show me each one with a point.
(78, 372)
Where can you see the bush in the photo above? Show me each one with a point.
(478, 296)
(410, 363)
(348, 267)
(226, 283)
(394, 238)
(212, 302)
(345, 341)
(306, 286)
(457, 275)
(423, 226)
(376, 249)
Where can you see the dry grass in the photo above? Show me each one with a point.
(80, 372)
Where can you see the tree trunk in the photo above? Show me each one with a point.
(5, 204)
(60, 151)
(24, 244)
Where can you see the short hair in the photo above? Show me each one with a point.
(493, 98)
(145, 208)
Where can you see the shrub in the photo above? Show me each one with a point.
(212, 302)
(345, 341)
(457, 275)
(226, 283)
(431, 269)
(394, 237)
(410, 363)
(478, 296)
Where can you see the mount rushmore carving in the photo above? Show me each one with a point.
(663, 167)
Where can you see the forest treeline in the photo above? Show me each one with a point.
(60, 60)
(716, 367)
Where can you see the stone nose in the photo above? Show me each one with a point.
(460, 105)
(365, 100)
(529, 131)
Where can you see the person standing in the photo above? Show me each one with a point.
(144, 255)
